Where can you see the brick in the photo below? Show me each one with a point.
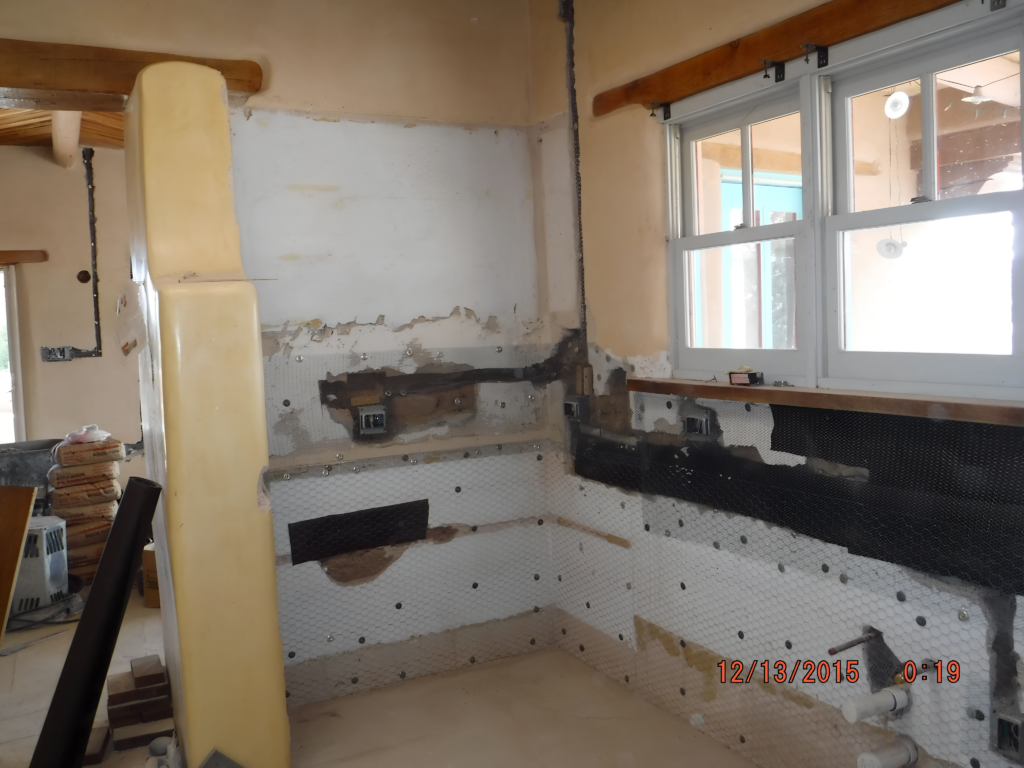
(148, 671)
(121, 689)
(124, 714)
(152, 710)
(140, 735)
(154, 691)
(96, 749)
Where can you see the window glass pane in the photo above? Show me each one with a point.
(778, 194)
(719, 183)
(978, 123)
(743, 296)
(886, 126)
(936, 286)
(6, 397)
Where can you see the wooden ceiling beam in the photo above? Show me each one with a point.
(826, 25)
(84, 78)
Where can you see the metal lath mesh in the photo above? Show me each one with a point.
(521, 553)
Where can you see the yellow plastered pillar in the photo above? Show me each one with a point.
(204, 421)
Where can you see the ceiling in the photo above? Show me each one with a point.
(32, 128)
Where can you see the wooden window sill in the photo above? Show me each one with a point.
(1005, 412)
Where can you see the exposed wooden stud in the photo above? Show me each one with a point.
(1010, 413)
(22, 257)
(50, 75)
(825, 25)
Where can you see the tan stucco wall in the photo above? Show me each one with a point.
(622, 154)
(451, 60)
(44, 206)
(548, 94)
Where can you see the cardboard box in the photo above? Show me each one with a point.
(85, 494)
(62, 477)
(87, 514)
(150, 584)
(76, 454)
(88, 533)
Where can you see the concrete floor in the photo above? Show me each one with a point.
(29, 677)
(545, 709)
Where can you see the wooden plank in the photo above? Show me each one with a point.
(84, 69)
(828, 24)
(23, 257)
(15, 510)
(1005, 412)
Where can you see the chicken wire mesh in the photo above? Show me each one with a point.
(663, 594)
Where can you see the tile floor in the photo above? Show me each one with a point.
(28, 679)
(542, 710)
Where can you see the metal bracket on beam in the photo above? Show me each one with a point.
(666, 111)
(780, 69)
(997, 5)
(821, 50)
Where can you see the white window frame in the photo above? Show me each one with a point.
(913, 49)
(705, 362)
(14, 351)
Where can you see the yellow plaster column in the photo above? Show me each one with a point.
(204, 421)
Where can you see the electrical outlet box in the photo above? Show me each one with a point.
(1008, 737)
(373, 420)
(576, 409)
(698, 425)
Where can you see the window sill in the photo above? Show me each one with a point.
(1003, 412)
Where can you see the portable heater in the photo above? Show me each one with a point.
(43, 576)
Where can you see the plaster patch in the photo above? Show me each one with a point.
(750, 424)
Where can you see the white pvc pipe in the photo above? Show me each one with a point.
(886, 700)
(66, 130)
(899, 751)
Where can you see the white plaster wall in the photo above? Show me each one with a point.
(345, 220)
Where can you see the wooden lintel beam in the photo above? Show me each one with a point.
(1010, 413)
(826, 25)
(61, 76)
(22, 257)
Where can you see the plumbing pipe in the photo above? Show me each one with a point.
(899, 751)
(843, 646)
(66, 128)
(886, 700)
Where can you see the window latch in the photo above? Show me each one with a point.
(739, 226)
(921, 199)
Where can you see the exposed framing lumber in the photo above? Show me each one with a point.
(1010, 413)
(83, 78)
(826, 25)
(15, 510)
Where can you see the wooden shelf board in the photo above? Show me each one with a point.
(1005, 412)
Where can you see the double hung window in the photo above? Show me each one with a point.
(857, 226)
